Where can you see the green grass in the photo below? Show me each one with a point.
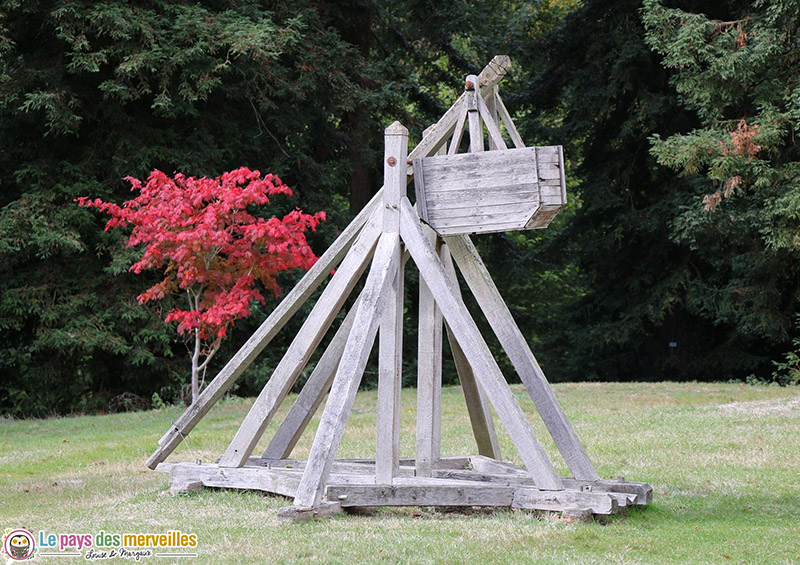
(724, 461)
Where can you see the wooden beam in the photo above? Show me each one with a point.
(319, 382)
(480, 413)
(509, 123)
(390, 344)
(452, 494)
(508, 333)
(351, 369)
(476, 351)
(303, 345)
(474, 117)
(492, 126)
(429, 378)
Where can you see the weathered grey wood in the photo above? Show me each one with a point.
(491, 466)
(461, 210)
(351, 368)
(488, 78)
(390, 344)
(496, 140)
(429, 378)
(509, 123)
(277, 482)
(295, 514)
(491, 107)
(487, 169)
(261, 338)
(475, 349)
(458, 132)
(557, 501)
(474, 117)
(413, 495)
(487, 192)
(302, 346)
(480, 414)
(314, 390)
(508, 333)
(642, 492)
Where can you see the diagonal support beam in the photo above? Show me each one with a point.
(301, 348)
(480, 414)
(475, 349)
(508, 333)
(314, 390)
(351, 369)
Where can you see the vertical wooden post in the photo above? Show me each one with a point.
(348, 375)
(475, 124)
(429, 359)
(390, 344)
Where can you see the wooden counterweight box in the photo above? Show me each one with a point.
(491, 191)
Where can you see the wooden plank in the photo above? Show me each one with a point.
(351, 369)
(479, 222)
(390, 344)
(429, 378)
(509, 123)
(276, 482)
(476, 351)
(261, 338)
(424, 495)
(480, 414)
(508, 333)
(302, 346)
(468, 199)
(557, 501)
(642, 492)
(319, 382)
(509, 167)
(469, 228)
(494, 209)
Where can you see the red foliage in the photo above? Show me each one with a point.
(200, 232)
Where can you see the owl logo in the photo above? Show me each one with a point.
(19, 545)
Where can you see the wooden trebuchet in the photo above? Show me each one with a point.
(492, 188)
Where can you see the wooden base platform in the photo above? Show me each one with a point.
(455, 481)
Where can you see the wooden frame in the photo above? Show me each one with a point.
(457, 194)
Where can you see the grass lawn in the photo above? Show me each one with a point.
(724, 461)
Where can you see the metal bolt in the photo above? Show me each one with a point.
(469, 85)
(392, 161)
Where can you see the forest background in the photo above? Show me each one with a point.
(676, 259)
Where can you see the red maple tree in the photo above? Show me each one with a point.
(200, 232)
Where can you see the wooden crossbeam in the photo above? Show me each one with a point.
(475, 349)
